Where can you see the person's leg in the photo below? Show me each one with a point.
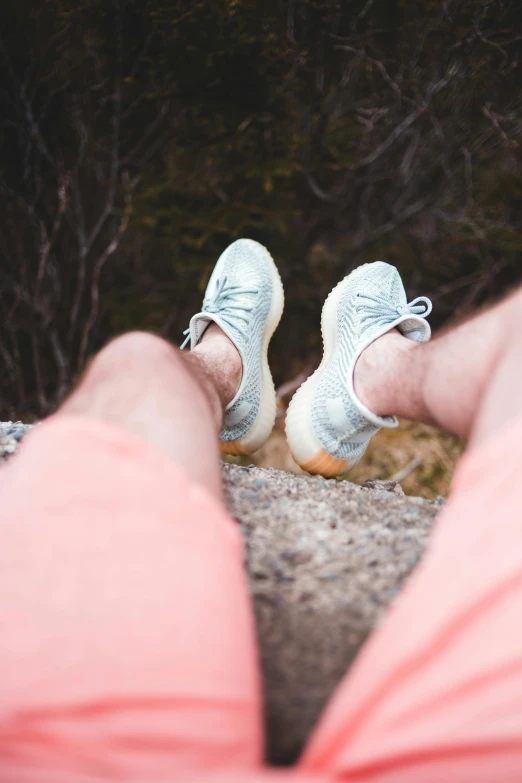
(436, 693)
(127, 647)
(466, 380)
(172, 398)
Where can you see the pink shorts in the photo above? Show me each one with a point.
(127, 647)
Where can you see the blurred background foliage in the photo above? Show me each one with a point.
(420, 457)
(137, 139)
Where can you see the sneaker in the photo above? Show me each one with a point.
(328, 428)
(245, 298)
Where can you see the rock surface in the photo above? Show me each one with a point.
(11, 433)
(324, 559)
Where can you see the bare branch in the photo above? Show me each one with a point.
(47, 245)
(365, 10)
(35, 130)
(391, 139)
(315, 187)
(114, 168)
(40, 390)
(139, 59)
(130, 157)
(378, 64)
(371, 237)
(98, 267)
(61, 363)
(496, 46)
(468, 170)
(288, 388)
(382, 148)
(409, 155)
(8, 361)
(496, 124)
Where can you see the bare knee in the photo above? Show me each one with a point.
(135, 353)
(128, 373)
(139, 382)
(142, 366)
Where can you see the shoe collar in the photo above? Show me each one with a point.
(408, 322)
(199, 323)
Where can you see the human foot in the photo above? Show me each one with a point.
(244, 297)
(328, 426)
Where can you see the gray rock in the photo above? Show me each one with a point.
(324, 559)
(11, 433)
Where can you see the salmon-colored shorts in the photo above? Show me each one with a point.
(127, 645)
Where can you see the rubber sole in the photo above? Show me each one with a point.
(307, 450)
(264, 422)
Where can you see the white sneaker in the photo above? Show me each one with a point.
(245, 298)
(327, 426)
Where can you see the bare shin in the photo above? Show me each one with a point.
(465, 380)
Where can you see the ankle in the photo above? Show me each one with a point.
(380, 377)
(219, 358)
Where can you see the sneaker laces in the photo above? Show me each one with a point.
(224, 301)
(377, 307)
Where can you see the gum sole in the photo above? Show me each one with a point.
(307, 450)
(264, 422)
(232, 447)
(324, 464)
